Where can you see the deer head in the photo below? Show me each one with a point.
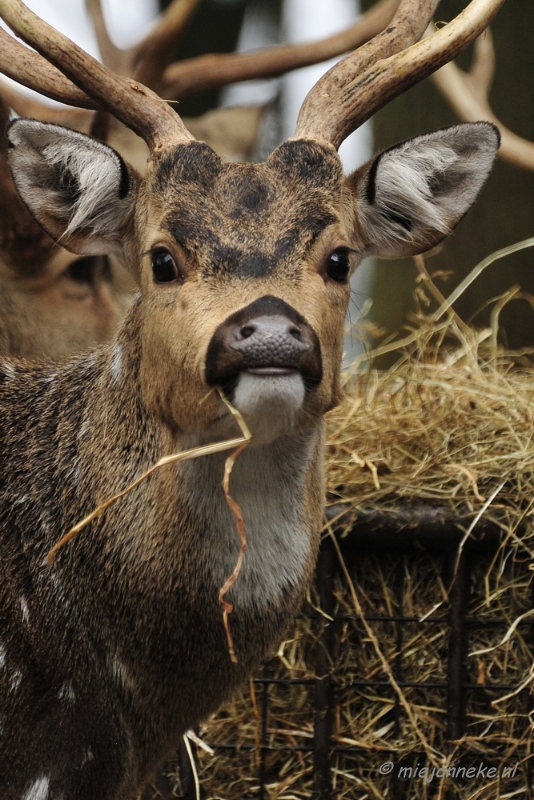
(211, 242)
(52, 302)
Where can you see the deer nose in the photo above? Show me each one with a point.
(270, 344)
(268, 337)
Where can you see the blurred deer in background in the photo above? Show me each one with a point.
(52, 302)
(110, 655)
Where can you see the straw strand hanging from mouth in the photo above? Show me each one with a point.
(236, 510)
(195, 452)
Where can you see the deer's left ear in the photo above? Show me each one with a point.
(412, 195)
(77, 188)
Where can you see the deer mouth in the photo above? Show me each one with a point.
(270, 371)
(266, 339)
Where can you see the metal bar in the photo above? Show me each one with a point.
(159, 788)
(355, 750)
(402, 528)
(438, 685)
(443, 620)
(407, 684)
(396, 788)
(324, 691)
(397, 664)
(263, 735)
(458, 642)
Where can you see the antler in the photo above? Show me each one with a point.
(148, 61)
(191, 75)
(468, 92)
(112, 56)
(357, 87)
(131, 102)
(200, 74)
(145, 61)
(32, 70)
(154, 53)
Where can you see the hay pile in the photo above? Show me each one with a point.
(450, 424)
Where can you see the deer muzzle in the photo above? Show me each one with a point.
(266, 338)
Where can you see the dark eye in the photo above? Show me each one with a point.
(338, 265)
(83, 270)
(164, 266)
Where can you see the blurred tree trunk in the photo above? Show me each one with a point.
(503, 214)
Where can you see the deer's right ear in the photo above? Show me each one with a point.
(79, 189)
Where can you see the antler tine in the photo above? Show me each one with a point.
(212, 71)
(468, 93)
(153, 54)
(112, 56)
(482, 69)
(28, 68)
(330, 101)
(146, 60)
(361, 84)
(135, 105)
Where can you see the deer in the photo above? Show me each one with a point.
(115, 648)
(54, 303)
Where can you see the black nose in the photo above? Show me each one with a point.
(270, 342)
(267, 337)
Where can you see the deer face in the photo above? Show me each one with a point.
(244, 268)
(60, 305)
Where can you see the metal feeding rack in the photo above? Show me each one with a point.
(334, 769)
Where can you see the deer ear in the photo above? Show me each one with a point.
(79, 189)
(412, 195)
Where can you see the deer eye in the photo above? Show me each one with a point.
(338, 265)
(85, 271)
(164, 267)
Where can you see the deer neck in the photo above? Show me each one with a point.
(271, 483)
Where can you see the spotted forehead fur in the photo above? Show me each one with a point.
(245, 220)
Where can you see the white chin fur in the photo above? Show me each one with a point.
(270, 404)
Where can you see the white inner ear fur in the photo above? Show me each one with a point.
(403, 184)
(71, 183)
(419, 190)
(98, 177)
